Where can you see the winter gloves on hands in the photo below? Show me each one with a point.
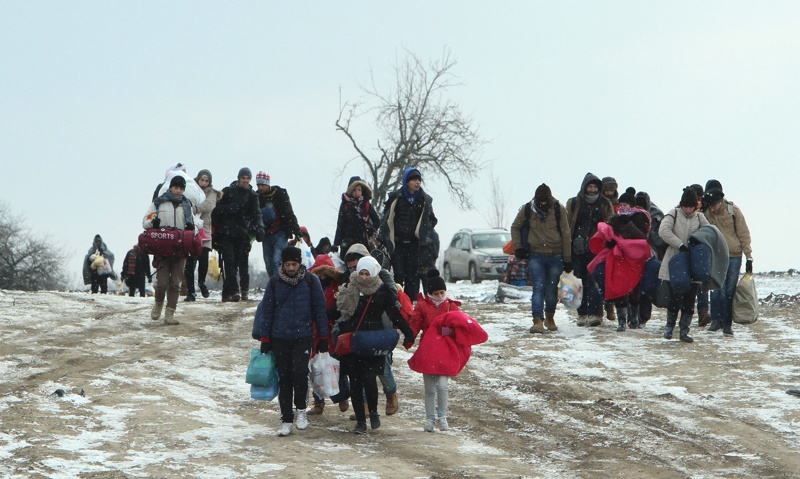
(683, 248)
(522, 253)
(322, 346)
(748, 266)
(567, 267)
(266, 347)
(156, 222)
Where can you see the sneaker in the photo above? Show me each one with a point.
(190, 297)
(594, 320)
(374, 420)
(302, 421)
(204, 290)
(361, 428)
(443, 426)
(285, 430)
(428, 425)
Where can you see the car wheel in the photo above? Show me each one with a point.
(447, 275)
(473, 274)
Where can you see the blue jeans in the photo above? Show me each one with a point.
(702, 300)
(544, 272)
(387, 378)
(272, 245)
(722, 300)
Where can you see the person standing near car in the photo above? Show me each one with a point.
(235, 217)
(407, 218)
(585, 211)
(548, 251)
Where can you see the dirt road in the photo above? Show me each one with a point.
(581, 402)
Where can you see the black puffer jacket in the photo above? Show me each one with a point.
(236, 214)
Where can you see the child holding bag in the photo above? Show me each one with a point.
(445, 347)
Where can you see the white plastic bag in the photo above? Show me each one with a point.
(307, 257)
(338, 263)
(324, 375)
(570, 290)
(192, 191)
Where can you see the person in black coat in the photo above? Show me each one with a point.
(135, 270)
(280, 222)
(358, 221)
(235, 217)
(407, 219)
(362, 303)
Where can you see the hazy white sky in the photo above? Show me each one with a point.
(99, 98)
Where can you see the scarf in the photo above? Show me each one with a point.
(348, 296)
(301, 272)
(358, 206)
(542, 214)
(183, 200)
(592, 199)
(438, 303)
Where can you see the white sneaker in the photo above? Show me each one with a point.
(285, 430)
(428, 425)
(300, 417)
(443, 426)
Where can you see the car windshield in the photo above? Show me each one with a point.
(490, 240)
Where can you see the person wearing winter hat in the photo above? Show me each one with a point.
(172, 209)
(293, 321)
(585, 211)
(357, 221)
(236, 216)
(407, 218)
(712, 184)
(548, 248)
(729, 219)
(204, 209)
(98, 276)
(170, 170)
(362, 303)
(426, 309)
(678, 224)
(627, 199)
(610, 191)
(280, 222)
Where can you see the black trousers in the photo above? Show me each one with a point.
(134, 283)
(405, 263)
(291, 361)
(236, 267)
(99, 281)
(201, 262)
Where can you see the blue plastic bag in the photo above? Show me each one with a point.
(266, 393)
(261, 370)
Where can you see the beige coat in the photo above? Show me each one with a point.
(675, 229)
(737, 234)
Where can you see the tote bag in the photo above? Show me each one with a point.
(745, 301)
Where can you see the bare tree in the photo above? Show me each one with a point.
(495, 215)
(27, 263)
(418, 127)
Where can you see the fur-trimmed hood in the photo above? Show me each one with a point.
(366, 191)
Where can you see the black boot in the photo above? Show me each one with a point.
(686, 320)
(715, 326)
(633, 317)
(361, 427)
(374, 420)
(672, 318)
(727, 329)
(622, 318)
(203, 290)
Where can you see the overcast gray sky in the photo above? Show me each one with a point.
(99, 98)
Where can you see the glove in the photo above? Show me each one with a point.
(322, 346)
(683, 248)
(149, 279)
(748, 266)
(568, 267)
(522, 253)
(408, 341)
(266, 347)
(693, 241)
(335, 248)
(260, 235)
(611, 243)
(156, 222)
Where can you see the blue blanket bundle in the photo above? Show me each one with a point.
(680, 273)
(650, 281)
(700, 260)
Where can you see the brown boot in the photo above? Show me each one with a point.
(611, 314)
(537, 327)
(703, 319)
(317, 409)
(344, 405)
(550, 321)
(391, 404)
(366, 412)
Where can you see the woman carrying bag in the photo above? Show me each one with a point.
(362, 303)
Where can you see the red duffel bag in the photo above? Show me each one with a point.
(166, 242)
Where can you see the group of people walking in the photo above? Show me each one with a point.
(607, 240)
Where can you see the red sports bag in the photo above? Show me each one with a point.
(166, 242)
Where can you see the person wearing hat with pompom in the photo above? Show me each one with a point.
(678, 224)
(280, 222)
(172, 209)
(407, 218)
(729, 219)
(235, 217)
(293, 322)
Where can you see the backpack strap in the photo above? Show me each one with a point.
(733, 217)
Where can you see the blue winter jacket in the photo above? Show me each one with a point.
(291, 311)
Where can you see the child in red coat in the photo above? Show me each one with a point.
(445, 346)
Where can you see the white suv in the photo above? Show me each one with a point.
(476, 254)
